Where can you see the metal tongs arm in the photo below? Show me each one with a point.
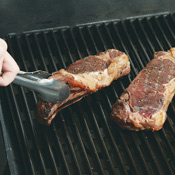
(50, 90)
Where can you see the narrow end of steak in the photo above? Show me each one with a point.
(120, 114)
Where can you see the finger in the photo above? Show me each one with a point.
(3, 47)
(6, 78)
(9, 64)
(10, 69)
(1, 61)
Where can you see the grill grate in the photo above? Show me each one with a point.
(82, 139)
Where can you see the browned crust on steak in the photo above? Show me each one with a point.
(87, 65)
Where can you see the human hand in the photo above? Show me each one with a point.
(7, 65)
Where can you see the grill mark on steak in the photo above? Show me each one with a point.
(146, 97)
(84, 77)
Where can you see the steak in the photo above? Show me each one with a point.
(144, 103)
(84, 77)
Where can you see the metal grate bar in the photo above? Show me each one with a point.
(34, 129)
(61, 149)
(66, 134)
(149, 44)
(138, 57)
(75, 44)
(105, 48)
(92, 144)
(71, 60)
(118, 156)
(83, 40)
(153, 50)
(32, 59)
(129, 151)
(172, 36)
(140, 43)
(46, 39)
(153, 33)
(92, 111)
(165, 135)
(142, 29)
(157, 135)
(58, 50)
(36, 138)
(97, 127)
(67, 47)
(65, 128)
(133, 48)
(80, 139)
(162, 33)
(171, 22)
(133, 162)
(100, 37)
(20, 131)
(54, 125)
(108, 159)
(92, 39)
(40, 53)
(20, 123)
(75, 122)
(164, 22)
(70, 145)
(30, 51)
(30, 118)
(149, 59)
(135, 143)
(140, 153)
(54, 165)
(133, 68)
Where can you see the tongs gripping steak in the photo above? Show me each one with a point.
(84, 77)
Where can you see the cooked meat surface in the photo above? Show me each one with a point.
(144, 103)
(84, 77)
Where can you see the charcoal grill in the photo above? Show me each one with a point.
(82, 139)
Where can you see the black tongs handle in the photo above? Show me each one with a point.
(49, 89)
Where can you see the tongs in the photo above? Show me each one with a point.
(49, 90)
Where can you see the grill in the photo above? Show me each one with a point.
(82, 139)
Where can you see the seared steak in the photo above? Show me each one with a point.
(144, 103)
(84, 77)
